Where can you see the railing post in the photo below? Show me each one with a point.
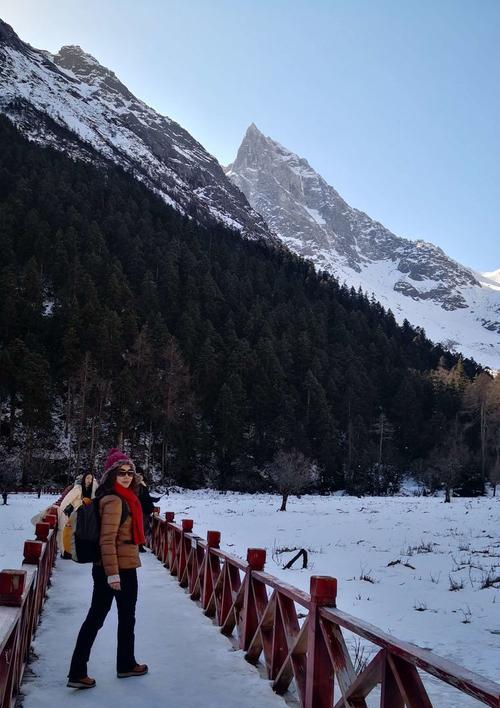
(50, 519)
(187, 527)
(319, 671)
(390, 696)
(42, 530)
(248, 619)
(193, 569)
(213, 541)
(12, 584)
(168, 544)
(32, 552)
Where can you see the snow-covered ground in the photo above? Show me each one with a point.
(191, 664)
(395, 560)
(16, 526)
(346, 537)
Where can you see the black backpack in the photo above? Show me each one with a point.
(86, 525)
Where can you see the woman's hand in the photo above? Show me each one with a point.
(115, 586)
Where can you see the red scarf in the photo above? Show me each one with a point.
(134, 505)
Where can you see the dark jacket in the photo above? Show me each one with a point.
(147, 501)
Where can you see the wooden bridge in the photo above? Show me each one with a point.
(296, 639)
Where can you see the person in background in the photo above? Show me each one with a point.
(147, 504)
(115, 576)
(82, 492)
(4, 497)
(89, 487)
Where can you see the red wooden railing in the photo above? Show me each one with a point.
(264, 614)
(22, 594)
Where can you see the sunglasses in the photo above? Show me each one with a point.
(123, 473)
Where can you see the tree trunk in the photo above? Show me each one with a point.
(483, 443)
(28, 453)
(381, 438)
(12, 418)
(83, 413)
(349, 444)
(283, 502)
(67, 415)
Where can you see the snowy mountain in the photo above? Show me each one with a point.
(415, 279)
(71, 102)
(493, 275)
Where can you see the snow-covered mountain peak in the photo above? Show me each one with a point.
(415, 279)
(253, 130)
(73, 103)
(75, 52)
(256, 149)
(73, 58)
(7, 34)
(83, 66)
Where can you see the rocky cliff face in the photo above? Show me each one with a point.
(416, 279)
(68, 100)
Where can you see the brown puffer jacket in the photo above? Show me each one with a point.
(118, 551)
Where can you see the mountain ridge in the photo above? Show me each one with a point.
(415, 279)
(70, 101)
(74, 91)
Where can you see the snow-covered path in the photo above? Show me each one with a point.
(191, 664)
(194, 665)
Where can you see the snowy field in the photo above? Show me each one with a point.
(190, 663)
(396, 560)
(16, 526)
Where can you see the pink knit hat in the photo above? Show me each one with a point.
(116, 458)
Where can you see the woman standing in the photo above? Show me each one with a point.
(83, 491)
(115, 576)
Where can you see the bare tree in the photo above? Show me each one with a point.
(178, 398)
(450, 459)
(450, 377)
(85, 413)
(494, 437)
(495, 472)
(481, 399)
(290, 472)
(384, 431)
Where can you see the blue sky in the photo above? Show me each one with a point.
(396, 103)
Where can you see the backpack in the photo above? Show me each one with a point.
(86, 528)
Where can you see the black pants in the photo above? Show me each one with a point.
(102, 599)
(146, 521)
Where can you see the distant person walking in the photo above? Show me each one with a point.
(5, 494)
(115, 576)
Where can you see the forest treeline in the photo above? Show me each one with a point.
(204, 354)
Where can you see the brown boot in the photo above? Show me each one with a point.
(138, 670)
(84, 682)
